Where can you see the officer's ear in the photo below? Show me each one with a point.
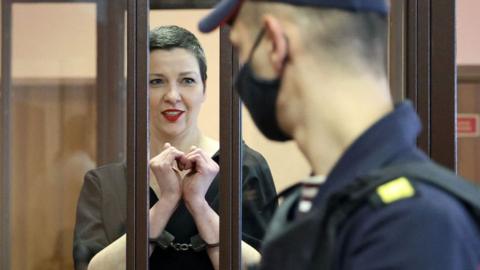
(276, 34)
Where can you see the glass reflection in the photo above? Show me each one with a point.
(53, 128)
(101, 214)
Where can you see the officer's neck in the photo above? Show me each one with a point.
(336, 112)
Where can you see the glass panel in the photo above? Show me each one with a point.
(468, 106)
(61, 127)
(184, 112)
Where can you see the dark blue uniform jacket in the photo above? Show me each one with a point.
(429, 231)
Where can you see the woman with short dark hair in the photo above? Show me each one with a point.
(183, 219)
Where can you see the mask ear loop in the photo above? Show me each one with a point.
(287, 57)
(256, 43)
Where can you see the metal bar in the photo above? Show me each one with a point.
(396, 54)
(230, 159)
(137, 156)
(411, 51)
(443, 83)
(237, 161)
(226, 154)
(182, 4)
(6, 37)
(418, 65)
(424, 73)
(142, 136)
(131, 134)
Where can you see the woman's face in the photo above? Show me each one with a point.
(176, 91)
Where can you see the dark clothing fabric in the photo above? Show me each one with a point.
(429, 231)
(102, 210)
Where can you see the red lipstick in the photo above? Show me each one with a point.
(172, 115)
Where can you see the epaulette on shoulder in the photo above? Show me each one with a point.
(392, 191)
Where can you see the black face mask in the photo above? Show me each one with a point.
(260, 98)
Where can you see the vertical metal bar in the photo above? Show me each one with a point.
(396, 52)
(424, 73)
(131, 134)
(418, 65)
(443, 83)
(411, 57)
(137, 161)
(230, 159)
(6, 35)
(226, 174)
(237, 160)
(142, 137)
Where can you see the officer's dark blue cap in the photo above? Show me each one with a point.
(226, 10)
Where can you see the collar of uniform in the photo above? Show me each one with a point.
(375, 148)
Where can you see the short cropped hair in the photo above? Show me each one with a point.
(172, 37)
(332, 31)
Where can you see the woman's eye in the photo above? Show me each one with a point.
(156, 82)
(188, 81)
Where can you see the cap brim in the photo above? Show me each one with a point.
(220, 14)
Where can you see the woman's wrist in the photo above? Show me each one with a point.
(197, 205)
(207, 221)
(160, 213)
(169, 199)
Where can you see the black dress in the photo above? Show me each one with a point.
(101, 214)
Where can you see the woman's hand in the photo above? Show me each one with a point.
(203, 170)
(164, 168)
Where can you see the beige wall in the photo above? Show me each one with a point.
(468, 32)
(54, 40)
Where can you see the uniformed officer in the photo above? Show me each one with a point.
(314, 71)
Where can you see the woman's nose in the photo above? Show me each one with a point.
(172, 95)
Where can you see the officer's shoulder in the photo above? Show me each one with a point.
(426, 204)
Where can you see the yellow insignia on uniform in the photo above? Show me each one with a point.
(395, 190)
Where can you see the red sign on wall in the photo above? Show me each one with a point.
(467, 125)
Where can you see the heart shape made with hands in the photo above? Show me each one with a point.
(185, 164)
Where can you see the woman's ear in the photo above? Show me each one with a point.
(276, 34)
